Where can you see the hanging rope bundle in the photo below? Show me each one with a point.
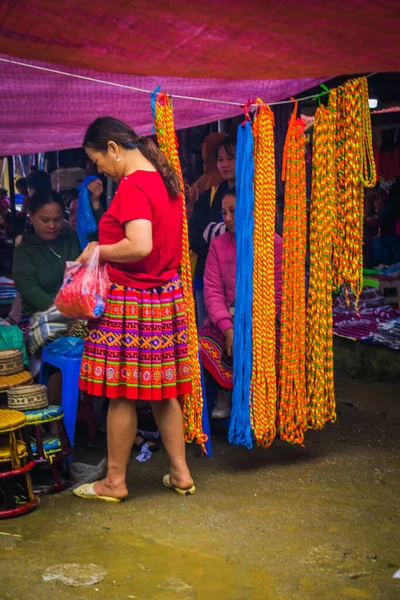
(263, 380)
(192, 404)
(319, 354)
(239, 428)
(355, 169)
(293, 408)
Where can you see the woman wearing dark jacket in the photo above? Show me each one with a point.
(40, 258)
(206, 221)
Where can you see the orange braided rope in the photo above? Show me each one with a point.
(355, 169)
(319, 354)
(263, 380)
(293, 408)
(192, 404)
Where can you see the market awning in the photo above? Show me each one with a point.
(224, 50)
(207, 38)
(41, 110)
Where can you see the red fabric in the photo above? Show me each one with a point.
(143, 195)
(212, 38)
(138, 349)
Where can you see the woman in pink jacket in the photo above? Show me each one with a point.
(216, 335)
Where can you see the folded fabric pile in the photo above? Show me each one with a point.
(367, 323)
(389, 334)
(7, 290)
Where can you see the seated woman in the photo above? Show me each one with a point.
(216, 335)
(39, 264)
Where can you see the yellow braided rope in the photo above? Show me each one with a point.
(319, 354)
(192, 404)
(355, 169)
(293, 407)
(263, 380)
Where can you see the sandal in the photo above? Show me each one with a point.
(188, 492)
(86, 491)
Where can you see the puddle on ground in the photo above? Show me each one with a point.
(75, 575)
(140, 568)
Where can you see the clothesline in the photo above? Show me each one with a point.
(141, 90)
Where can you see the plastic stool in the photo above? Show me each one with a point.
(68, 360)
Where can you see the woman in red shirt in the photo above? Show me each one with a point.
(138, 349)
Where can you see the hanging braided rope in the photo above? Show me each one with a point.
(239, 427)
(355, 169)
(263, 381)
(293, 408)
(319, 354)
(192, 404)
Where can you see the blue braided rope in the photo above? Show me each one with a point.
(240, 427)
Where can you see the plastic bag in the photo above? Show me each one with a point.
(85, 222)
(66, 346)
(83, 294)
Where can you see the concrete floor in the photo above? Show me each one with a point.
(319, 522)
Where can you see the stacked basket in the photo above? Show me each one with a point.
(27, 397)
(12, 371)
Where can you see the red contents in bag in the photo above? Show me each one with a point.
(83, 294)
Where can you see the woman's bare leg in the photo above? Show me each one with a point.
(121, 432)
(54, 388)
(168, 416)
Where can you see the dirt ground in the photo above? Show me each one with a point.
(289, 523)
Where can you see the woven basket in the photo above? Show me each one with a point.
(7, 381)
(27, 397)
(11, 362)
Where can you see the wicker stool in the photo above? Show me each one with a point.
(8, 381)
(16, 463)
(48, 448)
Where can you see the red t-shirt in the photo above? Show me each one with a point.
(143, 195)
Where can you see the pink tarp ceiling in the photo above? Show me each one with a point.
(220, 49)
(233, 39)
(43, 111)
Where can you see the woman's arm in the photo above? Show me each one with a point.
(137, 244)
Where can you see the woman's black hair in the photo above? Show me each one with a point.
(229, 143)
(230, 192)
(107, 129)
(43, 197)
(21, 185)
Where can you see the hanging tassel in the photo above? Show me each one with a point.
(355, 167)
(239, 429)
(263, 382)
(319, 356)
(192, 404)
(293, 411)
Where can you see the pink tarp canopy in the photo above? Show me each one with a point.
(232, 39)
(42, 111)
(220, 49)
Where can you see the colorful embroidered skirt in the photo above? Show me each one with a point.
(213, 356)
(138, 349)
